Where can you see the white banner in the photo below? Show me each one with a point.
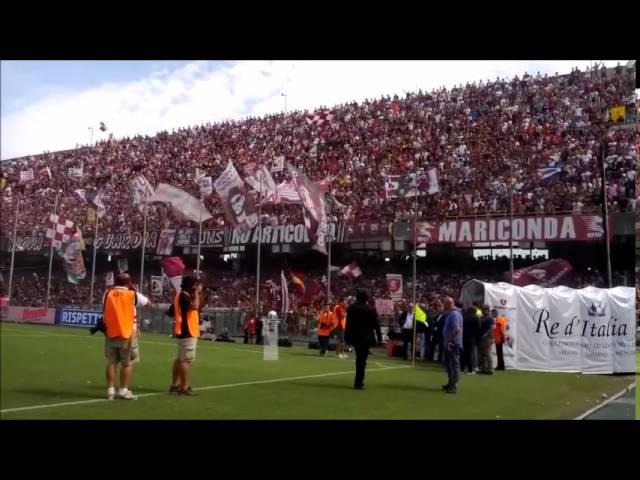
(502, 297)
(591, 330)
(108, 280)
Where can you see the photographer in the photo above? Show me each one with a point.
(185, 309)
(119, 312)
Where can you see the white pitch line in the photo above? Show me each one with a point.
(606, 402)
(210, 387)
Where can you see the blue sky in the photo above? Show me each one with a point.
(51, 105)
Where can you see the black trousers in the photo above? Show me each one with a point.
(500, 357)
(362, 352)
(407, 338)
(431, 352)
(323, 342)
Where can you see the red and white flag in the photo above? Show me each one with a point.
(60, 231)
(352, 270)
(261, 178)
(287, 193)
(319, 118)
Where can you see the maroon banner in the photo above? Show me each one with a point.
(32, 315)
(545, 274)
(550, 228)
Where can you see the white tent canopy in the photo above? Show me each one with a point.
(561, 329)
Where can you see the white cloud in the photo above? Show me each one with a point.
(202, 92)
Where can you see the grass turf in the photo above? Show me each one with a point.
(52, 365)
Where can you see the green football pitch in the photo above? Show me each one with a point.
(58, 373)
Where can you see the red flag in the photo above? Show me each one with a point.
(173, 266)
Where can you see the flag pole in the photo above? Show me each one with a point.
(144, 239)
(415, 255)
(13, 247)
(329, 248)
(605, 213)
(93, 262)
(511, 222)
(55, 212)
(199, 237)
(259, 245)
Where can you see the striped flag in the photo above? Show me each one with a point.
(548, 173)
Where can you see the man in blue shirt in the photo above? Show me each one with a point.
(452, 341)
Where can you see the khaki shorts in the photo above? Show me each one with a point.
(135, 349)
(187, 349)
(118, 350)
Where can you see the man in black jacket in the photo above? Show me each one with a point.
(359, 334)
(437, 323)
(470, 338)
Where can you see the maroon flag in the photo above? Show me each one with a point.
(545, 274)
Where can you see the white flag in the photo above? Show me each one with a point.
(181, 202)
(75, 172)
(206, 185)
(278, 164)
(26, 175)
(140, 189)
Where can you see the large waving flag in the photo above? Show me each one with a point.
(94, 198)
(313, 208)
(239, 207)
(141, 190)
(182, 203)
(71, 253)
(257, 177)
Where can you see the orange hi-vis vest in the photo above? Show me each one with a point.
(500, 331)
(340, 317)
(193, 319)
(119, 312)
(326, 323)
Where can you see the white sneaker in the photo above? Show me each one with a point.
(111, 393)
(344, 355)
(126, 395)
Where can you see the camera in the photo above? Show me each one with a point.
(99, 327)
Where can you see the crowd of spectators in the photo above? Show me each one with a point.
(472, 134)
(236, 289)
